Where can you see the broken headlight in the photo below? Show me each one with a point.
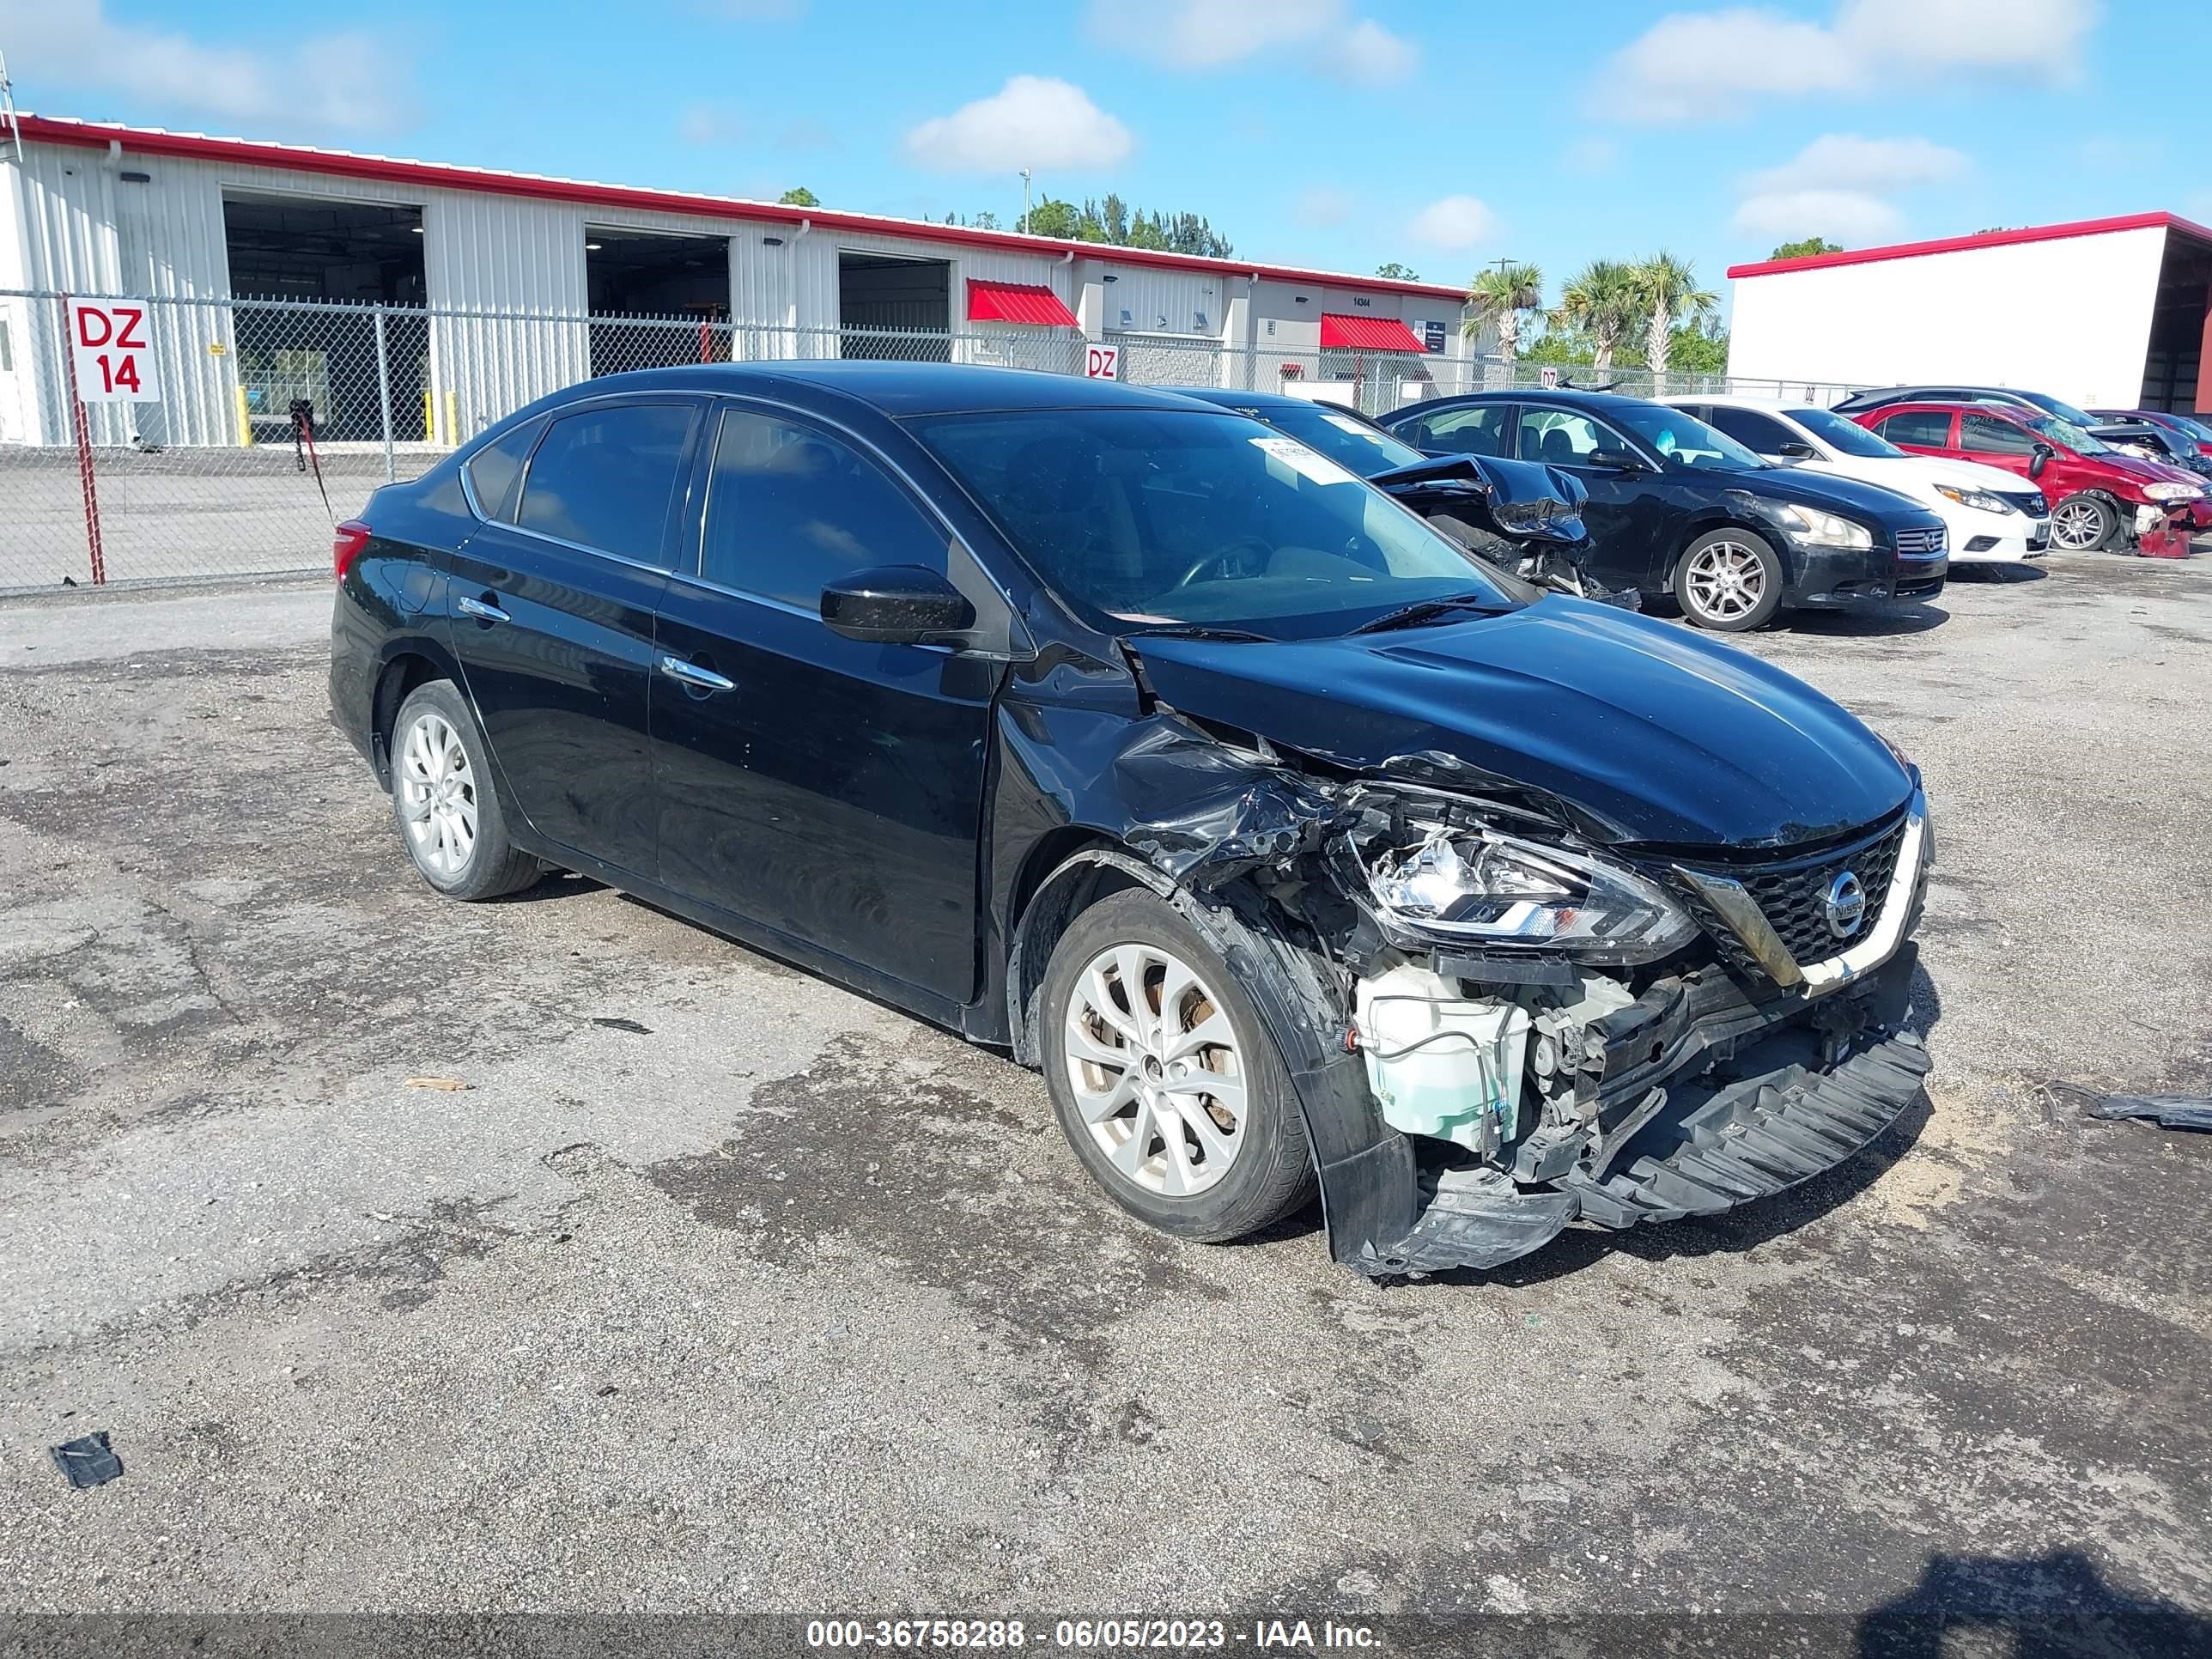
(1481, 888)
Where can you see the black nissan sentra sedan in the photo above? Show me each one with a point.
(1299, 848)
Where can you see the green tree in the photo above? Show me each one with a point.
(800, 195)
(1051, 218)
(1806, 249)
(1700, 347)
(1498, 299)
(1669, 290)
(1397, 273)
(1602, 300)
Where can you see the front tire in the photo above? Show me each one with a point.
(2082, 523)
(1166, 1081)
(1730, 580)
(444, 803)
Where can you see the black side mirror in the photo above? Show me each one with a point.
(2040, 459)
(1614, 460)
(1796, 449)
(896, 604)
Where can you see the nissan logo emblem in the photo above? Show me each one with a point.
(1844, 906)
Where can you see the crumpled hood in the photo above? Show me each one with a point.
(1664, 735)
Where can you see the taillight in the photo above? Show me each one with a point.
(346, 545)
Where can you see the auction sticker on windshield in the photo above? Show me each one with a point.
(1306, 463)
(1346, 423)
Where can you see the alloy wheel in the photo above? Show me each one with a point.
(1726, 580)
(2077, 527)
(1155, 1071)
(437, 796)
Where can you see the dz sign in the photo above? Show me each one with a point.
(1101, 363)
(111, 345)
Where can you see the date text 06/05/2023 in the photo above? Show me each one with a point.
(1088, 1635)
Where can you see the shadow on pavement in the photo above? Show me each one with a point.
(2039, 1608)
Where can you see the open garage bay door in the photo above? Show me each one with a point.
(889, 307)
(657, 300)
(286, 249)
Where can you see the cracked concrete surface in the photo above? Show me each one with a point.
(670, 1318)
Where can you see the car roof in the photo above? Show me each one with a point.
(1597, 403)
(896, 389)
(1731, 400)
(1228, 397)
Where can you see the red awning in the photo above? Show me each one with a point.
(1340, 333)
(1017, 302)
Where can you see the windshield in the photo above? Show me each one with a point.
(1683, 442)
(2058, 406)
(2073, 437)
(1848, 435)
(1345, 439)
(1148, 518)
(2196, 429)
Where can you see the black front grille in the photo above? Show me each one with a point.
(1922, 543)
(2029, 502)
(1793, 893)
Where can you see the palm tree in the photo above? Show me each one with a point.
(1496, 299)
(1670, 290)
(1602, 299)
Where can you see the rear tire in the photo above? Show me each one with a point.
(444, 801)
(2082, 523)
(1730, 580)
(1166, 1081)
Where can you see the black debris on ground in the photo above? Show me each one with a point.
(87, 1462)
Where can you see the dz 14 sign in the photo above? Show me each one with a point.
(1101, 363)
(111, 345)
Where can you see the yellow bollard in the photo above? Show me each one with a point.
(245, 419)
(429, 426)
(452, 418)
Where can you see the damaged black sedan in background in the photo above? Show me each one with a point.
(1296, 845)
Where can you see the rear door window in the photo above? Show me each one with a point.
(604, 478)
(1480, 430)
(1926, 429)
(790, 508)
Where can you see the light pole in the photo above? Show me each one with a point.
(1025, 201)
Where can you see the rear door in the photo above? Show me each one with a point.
(552, 613)
(1921, 431)
(830, 789)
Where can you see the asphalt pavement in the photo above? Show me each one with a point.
(786, 1301)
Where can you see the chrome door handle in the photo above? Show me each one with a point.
(706, 679)
(482, 610)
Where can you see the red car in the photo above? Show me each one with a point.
(2099, 496)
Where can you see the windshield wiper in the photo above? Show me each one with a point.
(1421, 610)
(1199, 631)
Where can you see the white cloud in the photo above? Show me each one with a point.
(1203, 34)
(1033, 121)
(1322, 206)
(1845, 216)
(1196, 35)
(1592, 155)
(1368, 55)
(709, 124)
(1456, 222)
(1838, 186)
(350, 80)
(1846, 160)
(1709, 65)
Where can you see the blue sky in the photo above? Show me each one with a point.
(1339, 133)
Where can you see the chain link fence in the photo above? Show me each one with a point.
(213, 475)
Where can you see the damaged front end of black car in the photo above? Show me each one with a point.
(1555, 916)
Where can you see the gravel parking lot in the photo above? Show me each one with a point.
(786, 1301)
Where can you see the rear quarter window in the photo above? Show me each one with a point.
(494, 469)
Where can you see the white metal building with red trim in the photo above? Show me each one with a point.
(2107, 313)
(91, 207)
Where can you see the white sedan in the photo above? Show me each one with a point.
(1994, 516)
